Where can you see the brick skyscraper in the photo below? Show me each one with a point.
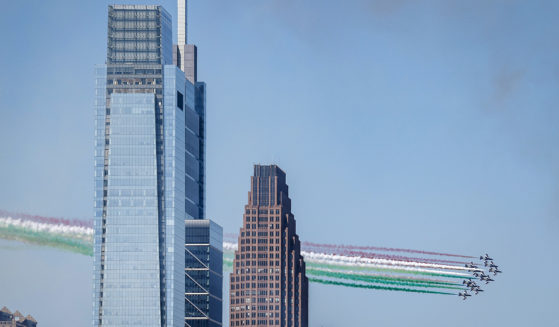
(268, 284)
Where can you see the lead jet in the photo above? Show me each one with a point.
(495, 271)
(476, 290)
(485, 258)
(464, 295)
(488, 279)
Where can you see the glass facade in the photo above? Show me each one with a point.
(149, 174)
(139, 34)
(131, 269)
(204, 273)
(174, 190)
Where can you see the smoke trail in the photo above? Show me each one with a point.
(374, 287)
(230, 246)
(355, 260)
(228, 264)
(323, 247)
(376, 248)
(402, 278)
(58, 229)
(47, 220)
(371, 263)
(374, 280)
(421, 272)
(362, 254)
(48, 239)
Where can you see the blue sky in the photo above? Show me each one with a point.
(430, 125)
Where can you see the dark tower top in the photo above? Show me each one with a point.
(269, 187)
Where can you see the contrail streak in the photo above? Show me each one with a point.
(324, 247)
(374, 280)
(48, 220)
(334, 257)
(372, 255)
(386, 270)
(48, 239)
(326, 263)
(59, 229)
(389, 277)
(363, 263)
(376, 248)
(374, 287)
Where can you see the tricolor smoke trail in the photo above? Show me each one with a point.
(380, 264)
(328, 264)
(383, 249)
(46, 220)
(370, 255)
(421, 272)
(374, 287)
(71, 238)
(374, 280)
(401, 278)
(328, 248)
(386, 262)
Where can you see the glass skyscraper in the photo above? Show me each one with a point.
(149, 171)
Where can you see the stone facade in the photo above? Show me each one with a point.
(268, 284)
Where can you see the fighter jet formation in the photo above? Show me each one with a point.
(480, 275)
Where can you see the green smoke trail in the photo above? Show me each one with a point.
(399, 278)
(393, 270)
(374, 287)
(229, 260)
(379, 280)
(84, 247)
(413, 279)
(43, 238)
(228, 264)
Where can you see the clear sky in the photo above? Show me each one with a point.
(419, 124)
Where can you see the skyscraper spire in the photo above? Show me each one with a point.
(185, 55)
(182, 22)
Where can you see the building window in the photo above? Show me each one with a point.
(180, 100)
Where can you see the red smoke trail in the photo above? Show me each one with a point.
(353, 253)
(375, 248)
(47, 220)
(328, 248)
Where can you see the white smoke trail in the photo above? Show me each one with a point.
(58, 229)
(342, 258)
(230, 246)
(337, 260)
(387, 267)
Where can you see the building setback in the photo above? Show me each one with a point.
(268, 286)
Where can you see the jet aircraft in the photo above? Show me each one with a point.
(464, 294)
